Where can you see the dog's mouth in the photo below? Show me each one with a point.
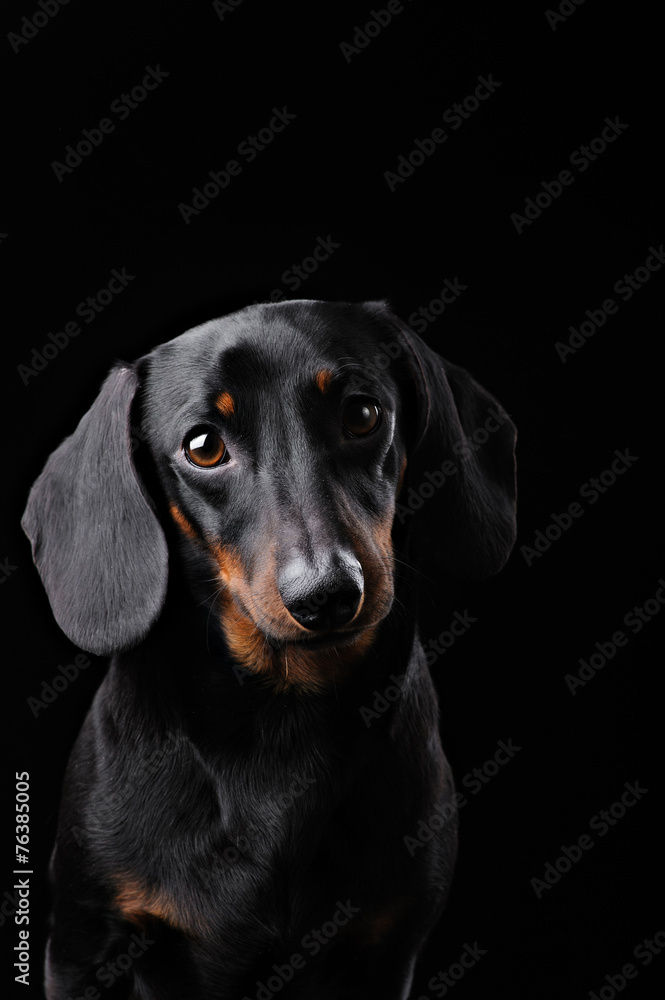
(275, 626)
(310, 660)
(315, 640)
(266, 638)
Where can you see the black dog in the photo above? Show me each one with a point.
(236, 818)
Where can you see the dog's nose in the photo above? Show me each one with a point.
(323, 600)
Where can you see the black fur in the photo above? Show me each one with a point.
(232, 802)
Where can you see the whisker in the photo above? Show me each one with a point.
(210, 610)
(415, 571)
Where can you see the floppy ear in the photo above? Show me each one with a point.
(458, 496)
(96, 542)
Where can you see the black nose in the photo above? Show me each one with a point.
(323, 600)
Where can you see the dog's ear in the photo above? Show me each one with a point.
(96, 542)
(458, 496)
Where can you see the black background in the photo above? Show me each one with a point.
(323, 176)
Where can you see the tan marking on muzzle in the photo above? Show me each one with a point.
(243, 609)
(182, 521)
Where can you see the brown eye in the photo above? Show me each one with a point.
(204, 447)
(361, 416)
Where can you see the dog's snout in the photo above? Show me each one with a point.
(324, 599)
(329, 607)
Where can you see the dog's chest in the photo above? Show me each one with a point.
(229, 856)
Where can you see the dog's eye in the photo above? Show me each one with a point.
(204, 447)
(361, 416)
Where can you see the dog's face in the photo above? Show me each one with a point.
(278, 445)
(294, 445)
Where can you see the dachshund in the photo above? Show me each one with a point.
(247, 521)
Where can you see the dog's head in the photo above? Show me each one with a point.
(293, 446)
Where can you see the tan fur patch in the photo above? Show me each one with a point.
(182, 521)
(402, 473)
(137, 904)
(323, 380)
(288, 664)
(374, 928)
(225, 404)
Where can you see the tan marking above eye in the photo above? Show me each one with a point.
(225, 403)
(323, 380)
